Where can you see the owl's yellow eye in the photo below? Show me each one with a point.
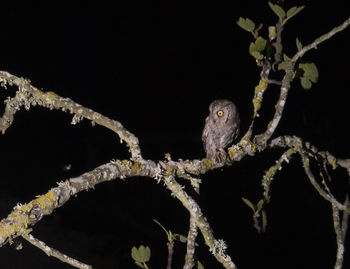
(220, 113)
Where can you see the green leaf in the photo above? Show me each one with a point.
(135, 254)
(278, 10)
(260, 44)
(168, 233)
(180, 237)
(308, 74)
(310, 71)
(284, 65)
(140, 255)
(246, 24)
(257, 55)
(170, 237)
(256, 48)
(252, 47)
(260, 205)
(249, 203)
(305, 83)
(294, 11)
(299, 45)
(200, 265)
(286, 58)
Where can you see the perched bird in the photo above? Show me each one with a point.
(220, 129)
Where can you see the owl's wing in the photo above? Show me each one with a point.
(205, 133)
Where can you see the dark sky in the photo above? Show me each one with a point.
(155, 66)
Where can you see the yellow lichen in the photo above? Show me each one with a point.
(233, 151)
(258, 97)
(17, 222)
(126, 163)
(51, 96)
(206, 164)
(249, 143)
(333, 163)
(261, 86)
(136, 166)
(46, 201)
(257, 104)
(170, 169)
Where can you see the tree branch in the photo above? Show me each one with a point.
(55, 253)
(23, 216)
(262, 139)
(305, 150)
(321, 39)
(340, 227)
(27, 95)
(191, 243)
(218, 250)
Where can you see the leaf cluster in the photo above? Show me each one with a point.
(141, 255)
(282, 14)
(261, 48)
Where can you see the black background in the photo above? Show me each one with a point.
(155, 66)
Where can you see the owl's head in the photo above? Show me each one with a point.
(223, 110)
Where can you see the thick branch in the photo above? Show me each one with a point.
(29, 214)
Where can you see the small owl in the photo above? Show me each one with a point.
(220, 129)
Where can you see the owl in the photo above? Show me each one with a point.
(220, 129)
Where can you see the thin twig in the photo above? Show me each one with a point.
(327, 196)
(271, 172)
(170, 254)
(321, 39)
(340, 227)
(55, 253)
(215, 246)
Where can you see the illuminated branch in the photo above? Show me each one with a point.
(191, 243)
(55, 253)
(24, 216)
(289, 67)
(27, 96)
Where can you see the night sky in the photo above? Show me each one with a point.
(155, 66)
